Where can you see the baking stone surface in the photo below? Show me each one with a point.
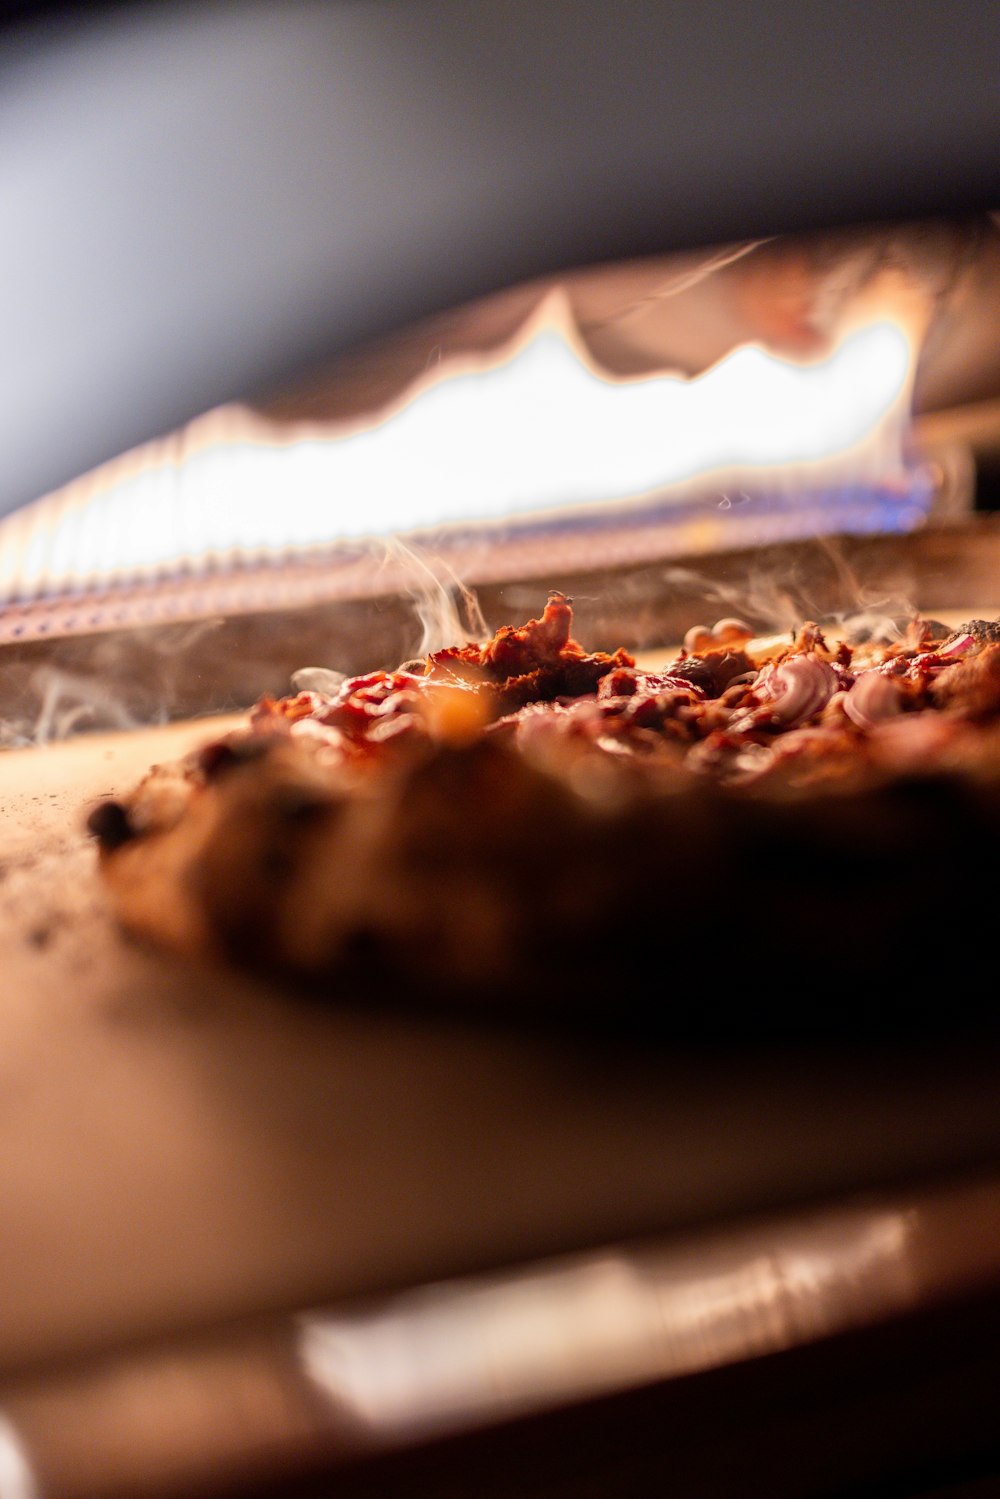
(180, 1145)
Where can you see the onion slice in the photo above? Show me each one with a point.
(797, 688)
(872, 700)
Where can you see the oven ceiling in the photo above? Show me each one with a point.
(205, 198)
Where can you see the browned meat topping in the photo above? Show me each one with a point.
(972, 685)
(540, 661)
(714, 672)
(797, 712)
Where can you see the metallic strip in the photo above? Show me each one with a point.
(16, 1478)
(346, 1383)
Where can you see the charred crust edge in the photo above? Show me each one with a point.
(110, 824)
(984, 631)
(221, 755)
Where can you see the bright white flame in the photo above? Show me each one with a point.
(539, 431)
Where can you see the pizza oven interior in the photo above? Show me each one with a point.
(259, 1245)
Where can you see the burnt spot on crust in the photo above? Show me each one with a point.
(222, 755)
(297, 806)
(110, 824)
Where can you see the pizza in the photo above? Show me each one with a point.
(745, 830)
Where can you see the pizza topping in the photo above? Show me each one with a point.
(872, 699)
(713, 673)
(912, 742)
(374, 695)
(725, 632)
(319, 733)
(725, 705)
(320, 680)
(788, 693)
(799, 687)
(983, 631)
(971, 687)
(517, 652)
(961, 644)
(453, 714)
(541, 662)
(629, 683)
(803, 759)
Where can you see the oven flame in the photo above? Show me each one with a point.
(537, 430)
